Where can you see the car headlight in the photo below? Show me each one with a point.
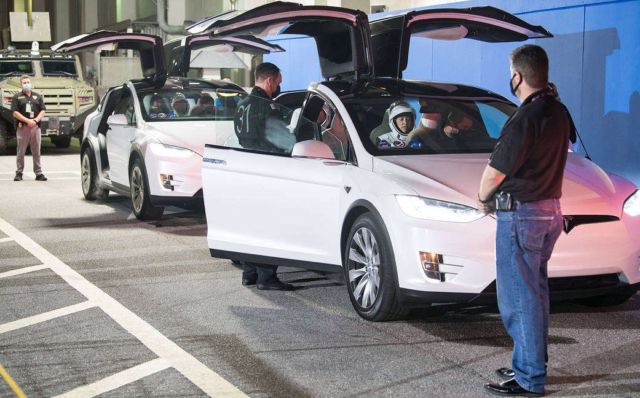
(170, 150)
(437, 210)
(632, 204)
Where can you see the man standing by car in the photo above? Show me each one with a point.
(28, 110)
(524, 176)
(250, 127)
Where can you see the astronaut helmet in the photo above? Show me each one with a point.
(397, 109)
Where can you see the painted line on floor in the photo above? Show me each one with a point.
(206, 379)
(117, 380)
(3, 240)
(49, 178)
(12, 384)
(46, 172)
(45, 316)
(24, 270)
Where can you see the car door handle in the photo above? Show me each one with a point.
(333, 163)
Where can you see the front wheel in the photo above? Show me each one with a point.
(140, 196)
(370, 271)
(89, 177)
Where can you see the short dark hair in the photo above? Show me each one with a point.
(532, 62)
(24, 77)
(266, 70)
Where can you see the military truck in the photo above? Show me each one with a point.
(58, 77)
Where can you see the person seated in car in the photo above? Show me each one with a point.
(205, 106)
(402, 118)
(180, 106)
(430, 122)
(158, 108)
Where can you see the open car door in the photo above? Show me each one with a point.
(179, 51)
(390, 36)
(341, 34)
(149, 48)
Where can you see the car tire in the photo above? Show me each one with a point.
(4, 138)
(139, 193)
(89, 177)
(606, 301)
(61, 142)
(370, 271)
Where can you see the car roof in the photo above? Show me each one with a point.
(181, 83)
(391, 87)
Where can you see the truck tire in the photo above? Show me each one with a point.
(4, 138)
(89, 177)
(61, 141)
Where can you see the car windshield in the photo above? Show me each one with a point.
(428, 125)
(193, 103)
(15, 67)
(59, 68)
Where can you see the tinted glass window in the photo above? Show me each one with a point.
(193, 103)
(59, 67)
(419, 125)
(16, 67)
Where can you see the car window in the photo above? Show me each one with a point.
(16, 67)
(125, 107)
(59, 68)
(193, 103)
(422, 125)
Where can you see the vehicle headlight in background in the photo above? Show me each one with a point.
(632, 204)
(170, 150)
(437, 210)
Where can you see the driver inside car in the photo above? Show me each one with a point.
(402, 119)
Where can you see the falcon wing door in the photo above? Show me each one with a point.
(180, 51)
(390, 36)
(149, 48)
(341, 34)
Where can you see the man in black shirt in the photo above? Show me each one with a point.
(524, 176)
(250, 126)
(28, 110)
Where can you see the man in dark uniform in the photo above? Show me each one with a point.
(250, 127)
(524, 177)
(28, 110)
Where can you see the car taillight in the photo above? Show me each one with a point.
(85, 99)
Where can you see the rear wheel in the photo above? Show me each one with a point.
(140, 197)
(89, 177)
(61, 141)
(370, 271)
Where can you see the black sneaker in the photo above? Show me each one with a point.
(41, 177)
(18, 177)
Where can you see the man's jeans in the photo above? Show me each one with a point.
(524, 242)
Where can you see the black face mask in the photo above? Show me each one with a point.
(514, 89)
(276, 92)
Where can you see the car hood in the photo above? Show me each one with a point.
(192, 135)
(587, 189)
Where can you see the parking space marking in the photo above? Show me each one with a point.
(206, 379)
(118, 380)
(12, 384)
(45, 316)
(2, 240)
(24, 270)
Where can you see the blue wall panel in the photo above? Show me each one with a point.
(594, 61)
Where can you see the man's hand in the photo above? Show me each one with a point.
(31, 123)
(486, 207)
(450, 131)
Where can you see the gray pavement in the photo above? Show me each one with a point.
(306, 343)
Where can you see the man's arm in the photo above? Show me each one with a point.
(491, 180)
(40, 116)
(19, 117)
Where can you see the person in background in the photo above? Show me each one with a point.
(28, 109)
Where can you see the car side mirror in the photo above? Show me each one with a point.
(312, 149)
(117, 120)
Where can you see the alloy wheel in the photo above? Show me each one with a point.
(86, 173)
(364, 267)
(137, 189)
